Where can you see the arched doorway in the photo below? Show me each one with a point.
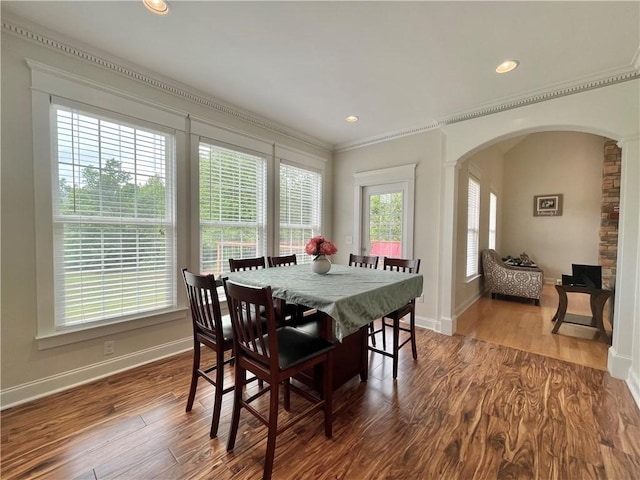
(515, 171)
(583, 112)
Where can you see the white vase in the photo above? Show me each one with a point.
(321, 265)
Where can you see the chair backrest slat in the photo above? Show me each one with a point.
(204, 304)
(365, 261)
(282, 261)
(405, 265)
(237, 265)
(251, 332)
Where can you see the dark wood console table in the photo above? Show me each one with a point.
(598, 298)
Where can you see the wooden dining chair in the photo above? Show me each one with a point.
(406, 266)
(274, 355)
(240, 264)
(282, 261)
(365, 261)
(213, 330)
(291, 311)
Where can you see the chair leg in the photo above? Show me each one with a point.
(194, 375)
(384, 334)
(372, 335)
(412, 327)
(396, 342)
(328, 395)
(217, 401)
(273, 431)
(240, 375)
(287, 394)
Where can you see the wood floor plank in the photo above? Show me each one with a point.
(466, 409)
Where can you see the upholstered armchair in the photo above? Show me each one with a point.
(501, 279)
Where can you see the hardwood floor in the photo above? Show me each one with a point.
(520, 324)
(466, 409)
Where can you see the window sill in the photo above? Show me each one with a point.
(69, 336)
(472, 278)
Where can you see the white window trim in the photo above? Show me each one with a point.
(475, 175)
(47, 82)
(404, 175)
(495, 232)
(303, 160)
(217, 135)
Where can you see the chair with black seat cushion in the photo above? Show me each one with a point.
(365, 261)
(405, 266)
(240, 264)
(274, 355)
(210, 328)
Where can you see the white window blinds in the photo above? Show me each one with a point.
(493, 215)
(113, 217)
(232, 186)
(473, 226)
(300, 209)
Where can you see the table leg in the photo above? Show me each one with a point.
(597, 302)
(562, 309)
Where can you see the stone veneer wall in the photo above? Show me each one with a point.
(608, 249)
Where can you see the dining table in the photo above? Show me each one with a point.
(346, 299)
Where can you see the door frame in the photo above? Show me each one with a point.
(403, 175)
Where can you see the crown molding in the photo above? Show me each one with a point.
(619, 76)
(232, 111)
(632, 72)
(385, 137)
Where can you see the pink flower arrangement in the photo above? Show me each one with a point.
(320, 246)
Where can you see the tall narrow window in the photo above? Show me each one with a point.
(113, 217)
(473, 226)
(232, 206)
(300, 209)
(493, 215)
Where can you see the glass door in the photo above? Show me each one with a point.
(383, 226)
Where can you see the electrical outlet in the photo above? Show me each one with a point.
(109, 347)
(421, 298)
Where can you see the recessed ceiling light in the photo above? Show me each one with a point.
(507, 66)
(159, 7)
(351, 119)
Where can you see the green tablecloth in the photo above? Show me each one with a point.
(352, 296)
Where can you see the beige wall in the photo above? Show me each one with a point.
(436, 154)
(422, 150)
(27, 371)
(546, 163)
(487, 167)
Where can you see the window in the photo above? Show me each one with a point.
(493, 214)
(232, 205)
(473, 226)
(113, 216)
(300, 209)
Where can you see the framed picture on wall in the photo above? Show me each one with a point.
(547, 205)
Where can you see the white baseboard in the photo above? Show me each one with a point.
(428, 323)
(460, 309)
(618, 365)
(633, 382)
(26, 392)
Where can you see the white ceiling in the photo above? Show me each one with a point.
(397, 65)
